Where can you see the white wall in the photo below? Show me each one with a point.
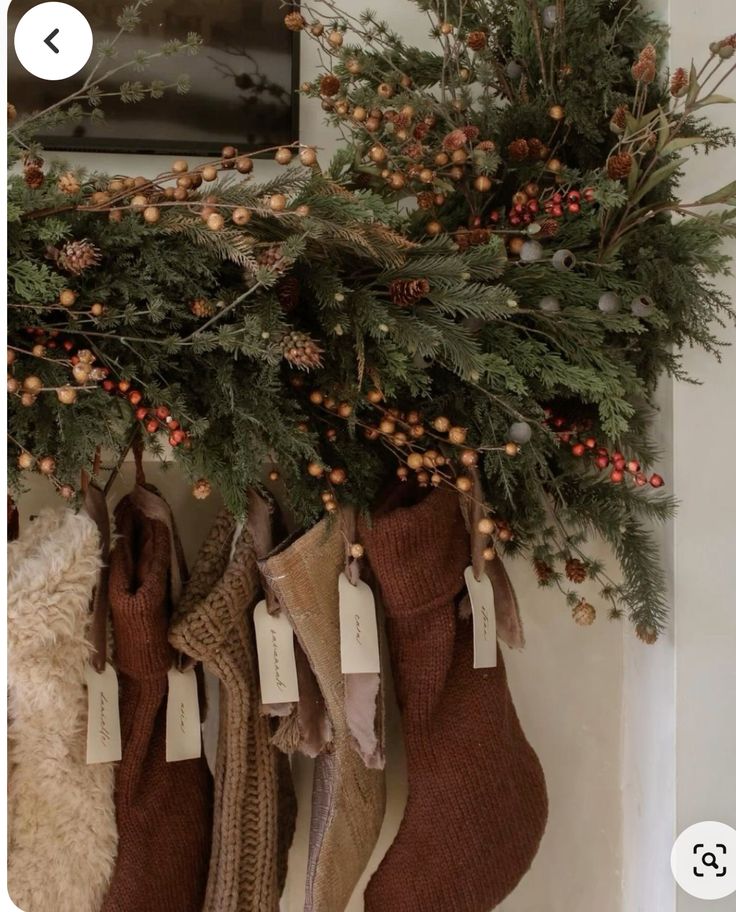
(704, 421)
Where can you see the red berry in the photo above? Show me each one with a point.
(557, 211)
(74, 359)
(108, 385)
(559, 422)
(557, 198)
(124, 386)
(162, 412)
(152, 426)
(574, 208)
(172, 425)
(565, 436)
(68, 345)
(514, 220)
(141, 413)
(590, 443)
(134, 397)
(619, 464)
(616, 455)
(495, 215)
(602, 462)
(617, 476)
(632, 466)
(52, 344)
(656, 481)
(578, 449)
(533, 206)
(178, 436)
(589, 194)
(641, 479)
(573, 196)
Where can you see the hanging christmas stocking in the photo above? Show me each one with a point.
(62, 836)
(349, 798)
(477, 804)
(252, 778)
(164, 810)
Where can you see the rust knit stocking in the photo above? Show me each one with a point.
(477, 803)
(164, 810)
(213, 625)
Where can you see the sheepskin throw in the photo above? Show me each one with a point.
(62, 836)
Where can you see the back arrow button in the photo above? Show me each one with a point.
(49, 39)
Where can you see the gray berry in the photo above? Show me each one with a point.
(549, 304)
(531, 252)
(520, 432)
(549, 16)
(563, 260)
(514, 70)
(642, 306)
(609, 302)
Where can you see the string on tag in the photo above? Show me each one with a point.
(353, 549)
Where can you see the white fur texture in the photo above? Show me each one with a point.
(62, 837)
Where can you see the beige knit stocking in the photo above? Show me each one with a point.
(250, 842)
(348, 798)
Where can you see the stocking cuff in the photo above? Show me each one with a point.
(418, 551)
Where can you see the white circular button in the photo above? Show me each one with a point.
(704, 860)
(53, 41)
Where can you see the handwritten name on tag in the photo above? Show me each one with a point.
(103, 716)
(358, 628)
(276, 662)
(183, 732)
(484, 619)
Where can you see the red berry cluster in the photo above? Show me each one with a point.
(587, 447)
(154, 419)
(571, 202)
(527, 205)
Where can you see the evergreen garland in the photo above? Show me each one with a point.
(514, 317)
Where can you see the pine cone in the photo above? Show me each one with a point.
(550, 227)
(68, 183)
(294, 21)
(425, 199)
(537, 148)
(544, 572)
(201, 307)
(519, 150)
(273, 258)
(618, 119)
(421, 130)
(287, 291)
(414, 150)
(201, 489)
(76, 256)
(619, 166)
(454, 141)
(583, 613)
(329, 85)
(679, 82)
(405, 292)
(471, 133)
(486, 145)
(575, 570)
(477, 40)
(34, 177)
(301, 351)
(647, 634)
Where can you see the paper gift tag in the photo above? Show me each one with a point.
(276, 662)
(183, 732)
(484, 619)
(103, 716)
(358, 628)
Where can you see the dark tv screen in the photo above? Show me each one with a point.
(243, 80)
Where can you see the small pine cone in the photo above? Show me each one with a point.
(679, 82)
(425, 199)
(201, 489)
(301, 351)
(549, 228)
(34, 177)
(537, 148)
(454, 141)
(619, 166)
(462, 238)
(486, 145)
(414, 150)
(287, 291)
(294, 21)
(479, 236)
(575, 570)
(471, 133)
(405, 292)
(272, 257)
(544, 572)
(618, 119)
(583, 613)
(76, 256)
(647, 634)
(477, 40)
(421, 130)
(201, 307)
(519, 150)
(329, 85)
(68, 183)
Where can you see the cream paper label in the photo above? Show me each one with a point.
(276, 662)
(358, 628)
(484, 619)
(183, 732)
(103, 716)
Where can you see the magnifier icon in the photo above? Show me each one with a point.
(709, 860)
